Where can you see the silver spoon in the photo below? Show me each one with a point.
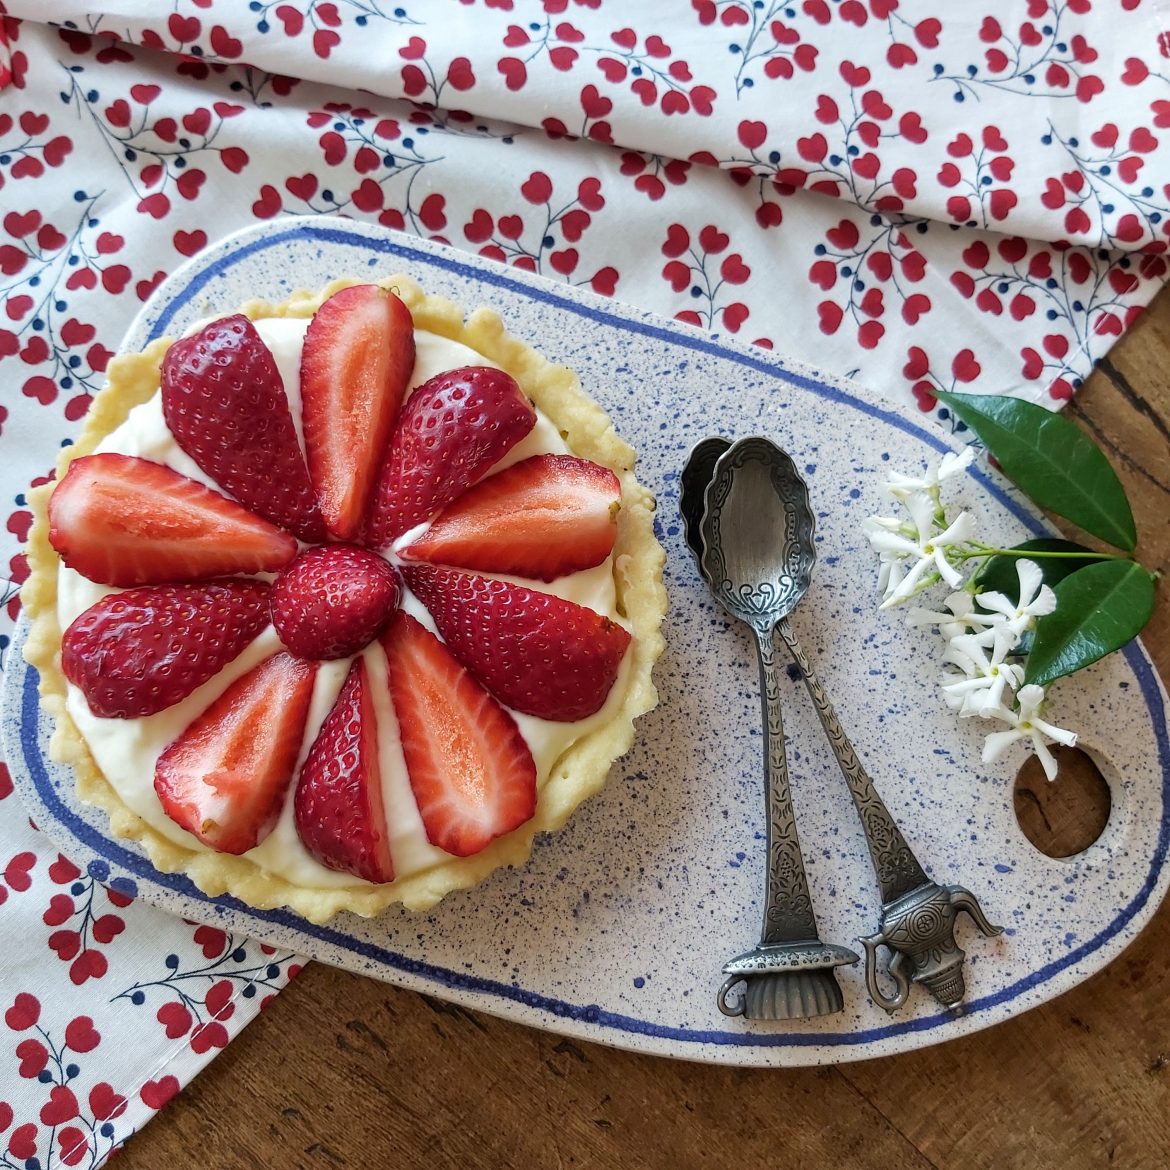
(789, 973)
(918, 915)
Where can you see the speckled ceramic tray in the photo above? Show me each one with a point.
(617, 928)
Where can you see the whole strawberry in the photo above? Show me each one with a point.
(141, 651)
(334, 599)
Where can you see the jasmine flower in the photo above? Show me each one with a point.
(902, 486)
(986, 676)
(1026, 723)
(1036, 600)
(921, 541)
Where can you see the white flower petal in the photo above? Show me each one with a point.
(958, 531)
(1002, 678)
(997, 603)
(900, 486)
(880, 524)
(1047, 760)
(893, 542)
(998, 742)
(1044, 603)
(946, 570)
(1004, 639)
(889, 574)
(920, 618)
(961, 604)
(954, 462)
(972, 647)
(1059, 734)
(1003, 713)
(911, 583)
(960, 685)
(922, 511)
(1031, 579)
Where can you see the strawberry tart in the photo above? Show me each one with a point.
(338, 602)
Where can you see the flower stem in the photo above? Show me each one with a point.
(1032, 554)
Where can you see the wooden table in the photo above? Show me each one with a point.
(341, 1071)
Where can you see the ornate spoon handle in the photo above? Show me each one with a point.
(788, 912)
(918, 915)
(788, 975)
(898, 871)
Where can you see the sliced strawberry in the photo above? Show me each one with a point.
(224, 778)
(542, 518)
(141, 651)
(120, 520)
(470, 769)
(536, 653)
(339, 812)
(334, 599)
(224, 402)
(355, 367)
(452, 429)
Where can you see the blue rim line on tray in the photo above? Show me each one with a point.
(591, 1013)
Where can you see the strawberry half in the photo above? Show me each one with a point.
(141, 651)
(338, 804)
(541, 518)
(333, 599)
(224, 778)
(470, 769)
(224, 402)
(452, 429)
(121, 520)
(536, 653)
(355, 367)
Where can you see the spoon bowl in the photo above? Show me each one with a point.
(756, 532)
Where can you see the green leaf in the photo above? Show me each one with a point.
(1098, 610)
(1053, 461)
(999, 572)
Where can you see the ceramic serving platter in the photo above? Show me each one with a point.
(616, 929)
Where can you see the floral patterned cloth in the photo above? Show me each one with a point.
(922, 196)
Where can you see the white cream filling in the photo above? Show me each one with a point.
(127, 750)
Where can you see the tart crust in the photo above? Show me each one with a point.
(578, 773)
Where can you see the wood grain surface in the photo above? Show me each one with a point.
(341, 1071)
